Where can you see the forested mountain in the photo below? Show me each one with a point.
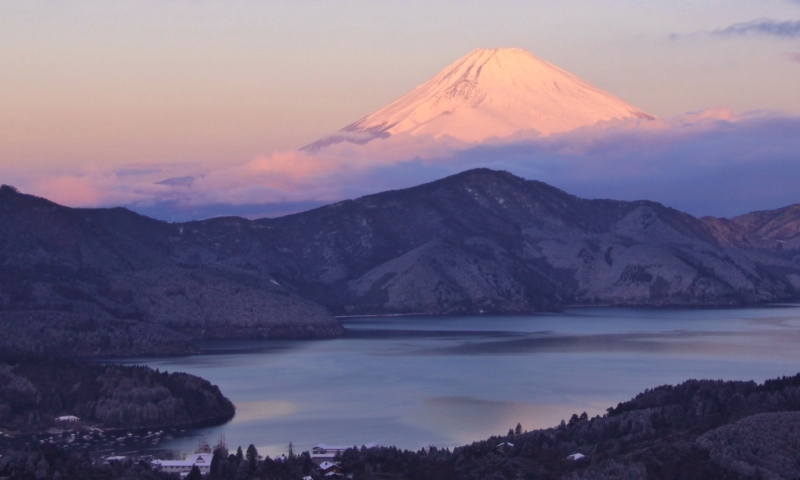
(699, 429)
(111, 282)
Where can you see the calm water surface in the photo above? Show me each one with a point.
(414, 381)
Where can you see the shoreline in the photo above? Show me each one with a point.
(131, 360)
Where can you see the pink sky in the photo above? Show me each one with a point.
(94, 93)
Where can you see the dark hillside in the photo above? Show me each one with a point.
(111, 282)
(477, 241)
(697, 430)
(34, 392)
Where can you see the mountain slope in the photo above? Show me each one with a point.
(111, 282)
(490, 241)
(478, 241)
(780, 227)
(490, 93)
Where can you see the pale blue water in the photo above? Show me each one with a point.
(414, 381)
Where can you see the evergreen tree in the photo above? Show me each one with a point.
(252, 458)
(218, 456)
(573, 419)
(518, 430)
(194, 474)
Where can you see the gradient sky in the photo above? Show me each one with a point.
(94, 84)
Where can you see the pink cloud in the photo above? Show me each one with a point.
(793, 56)
(69, 190)
(671, 160)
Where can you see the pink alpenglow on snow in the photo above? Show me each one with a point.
(490, 93)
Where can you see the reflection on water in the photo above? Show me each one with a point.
(261, 410)
(413, 381)
(469, 418)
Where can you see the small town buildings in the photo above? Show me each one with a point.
(576, 456)
(201, 458)
(68, 419)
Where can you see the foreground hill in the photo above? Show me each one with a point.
(111, 282)
(700, 429)
(35, 392)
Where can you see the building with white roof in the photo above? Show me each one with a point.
(201, 460)
(330, 468)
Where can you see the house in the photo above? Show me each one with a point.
(504, 447)
(576, 456)
(68, 419)
(330, 467)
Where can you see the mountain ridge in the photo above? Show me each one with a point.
(478, 241)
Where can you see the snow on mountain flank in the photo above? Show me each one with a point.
(490, 93)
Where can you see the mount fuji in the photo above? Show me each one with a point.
(490, 93)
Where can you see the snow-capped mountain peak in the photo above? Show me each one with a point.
(490, 93)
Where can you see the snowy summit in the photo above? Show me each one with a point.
(490, 93)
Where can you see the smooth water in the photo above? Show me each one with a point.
(413, 381)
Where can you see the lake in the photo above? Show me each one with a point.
(413, 381)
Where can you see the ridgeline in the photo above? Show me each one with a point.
(109, 282)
